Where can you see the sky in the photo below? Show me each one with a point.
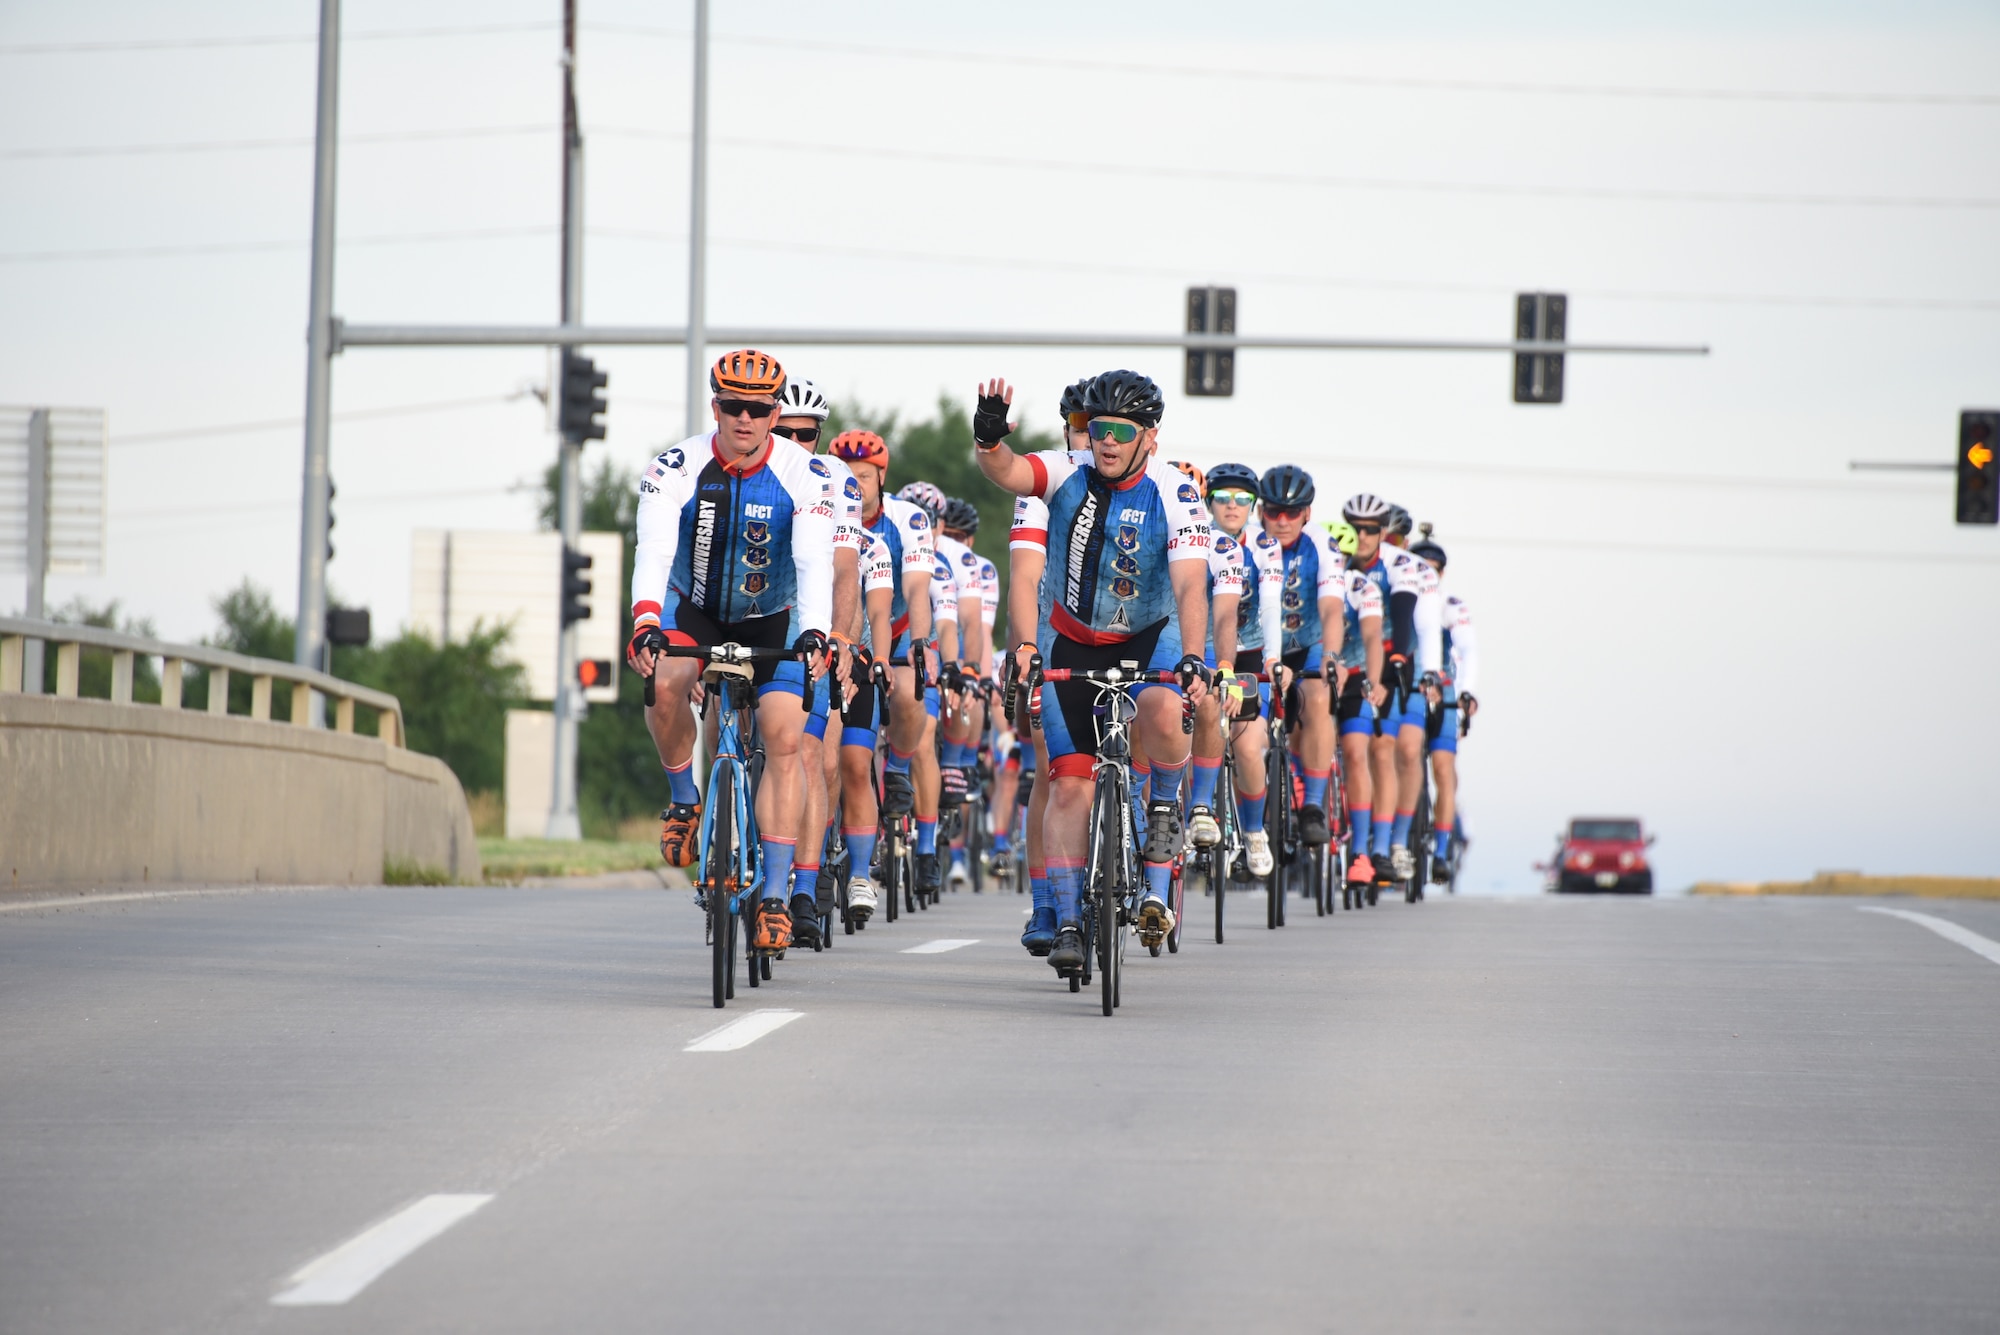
(1690, 609)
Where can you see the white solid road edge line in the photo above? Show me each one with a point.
(1950, 931)
(362, 1259)
(742, 1033)
(940, 946)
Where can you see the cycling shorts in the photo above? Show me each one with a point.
(821, 702)
(1069, 722)
(684, 623)
(1303, 663)
(1411, 715)
(1442, 728)
(1356, 714)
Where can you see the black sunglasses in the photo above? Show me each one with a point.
(1283, 511)
(804, 435)
(1370, 529)
(745, 407)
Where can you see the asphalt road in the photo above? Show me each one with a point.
(1545, 1116)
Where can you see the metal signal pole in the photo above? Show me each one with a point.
(569, 706)
(310, 641)
(697, 330)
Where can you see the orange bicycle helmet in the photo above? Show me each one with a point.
(861, 447)
(747, 371)
(1195, 475)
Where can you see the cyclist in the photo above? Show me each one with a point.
(1226, 577)
(1361, 693)
(1451, 699)
(735, 545)
(1414, 725)
(1232, 493)
(1397, 577)
(907, 531)
(1309, 602)
(951, 585)
(1027, 560)
(1125, 536)
(966, 735)
(802, 414)
(859, 819)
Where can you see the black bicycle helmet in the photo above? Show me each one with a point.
(1074, 397)
(1232, 477)
(1125, 394)
(961, 516)
(1430, 551)
(1286, 485)
(1398, 522)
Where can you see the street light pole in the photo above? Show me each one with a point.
(697, 330)
(310, 640)
(563, 822)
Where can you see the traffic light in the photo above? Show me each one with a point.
(1978, 470)
(593, 672)
(1540, 317)
(1211, 373)
(575, 588)
(347, 625)
(330, 490)
(580, 414)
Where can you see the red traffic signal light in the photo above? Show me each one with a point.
(593, 672)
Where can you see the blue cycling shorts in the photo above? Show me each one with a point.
(1444, 732)
(821, 701)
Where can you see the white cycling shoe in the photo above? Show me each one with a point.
(861, 899)
(1156, 921)
(1257, 852)
(1402, 862)
(1202, 828)
(958, 877)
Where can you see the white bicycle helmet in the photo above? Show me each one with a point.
(926, 497)
(801, 398)
(1366, 507)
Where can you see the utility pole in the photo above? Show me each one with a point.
(569, 705)
(314, 503)
(38, 544)
(697, 331)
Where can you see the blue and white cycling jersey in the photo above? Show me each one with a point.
(1461, 646)
(1429, 620)
(1398, 577)
(1359, 599)
(1312, 569)
(1259, 617)
(989, 592)
(1225, 578)
(908, 532)
(1110, 545)
(736, 541)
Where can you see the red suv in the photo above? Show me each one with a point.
(1601, 853)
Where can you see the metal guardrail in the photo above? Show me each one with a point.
(70, 641)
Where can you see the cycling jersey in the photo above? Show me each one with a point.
(989, 592)
(1260, 617)
(1429, 619)
(1110, 545)
(960, 566)
(1397, 576)
(1312, 567)
(847, 526)
(1225, 579)
(878, 571)
(944, 594)
(907, 531)
(736, 541)
(1359, 599)
(1461, 647)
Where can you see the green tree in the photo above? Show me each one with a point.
(93, 673)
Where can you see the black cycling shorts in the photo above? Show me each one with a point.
(1075, 733)
(1353, 700)
(860, 711)
(691, 625)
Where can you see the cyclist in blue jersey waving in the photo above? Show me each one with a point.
(735, 545)
(1127, 568)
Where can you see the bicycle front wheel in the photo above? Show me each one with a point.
(718, 866)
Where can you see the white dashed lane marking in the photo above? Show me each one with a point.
(362, 1259)
(742, 1033)
(1950, 931)
(939, 947)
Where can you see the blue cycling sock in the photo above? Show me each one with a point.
(1250, 813)
(1065, 883)
(1167, 782)
(805, 881)
(680, 785)
(896, 762)
(958, 855)
(1363, 821)
(1443, 845)
(1160, 879)
(777, 868)
(1316, 788)
(1040, 894)
(1380, 844)
(860, 849)
(1001, 845)
(1207, 769)
(1399, 833)
(926, 835)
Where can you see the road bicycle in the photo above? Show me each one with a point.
(1281, 813)
(729, 870)
(1113, 878)
(1224, 862)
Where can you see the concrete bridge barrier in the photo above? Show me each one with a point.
(106, 792)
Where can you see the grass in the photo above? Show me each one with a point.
(518, 859)
(1852, 883)
(401, 871)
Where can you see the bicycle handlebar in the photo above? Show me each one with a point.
(716, 653)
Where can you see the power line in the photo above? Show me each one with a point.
(272, 39)
(293, 423)
(818, 46)
(1898, 557)
(249, 247)
(260, 145)
(253, 507)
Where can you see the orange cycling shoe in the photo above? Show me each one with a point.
(774, 926)
(680, 826)
(1361, 871)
